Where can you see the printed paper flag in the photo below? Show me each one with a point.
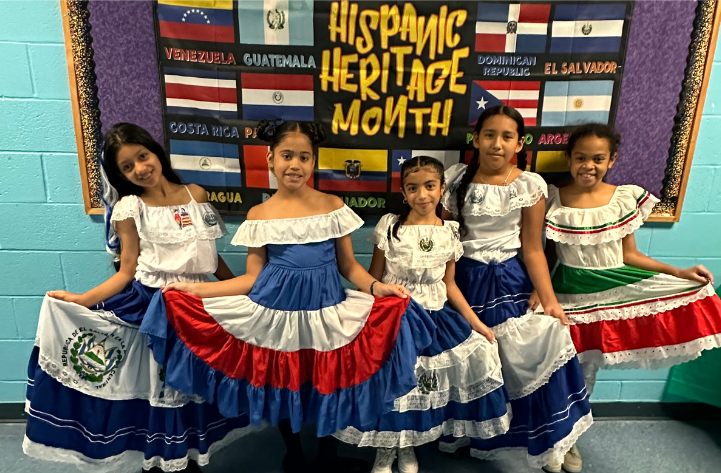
(279, 22)
(206, 163)
(521, 95)
(353, 170)
(576, 102)
(551, 161)
(257, 173)
(201, 92)
(210, 21)
(512, 28)
(399, 156)
(271, 96)
(587, 28)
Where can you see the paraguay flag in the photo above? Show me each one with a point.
(588, 28)
(273, 96)
(512, 28)
(206, 163)
(353, 170)
(201, 92)
(521, 95)
(257, 173)
(281, 22)
(210, 21)
(576, 102)
(400, 156)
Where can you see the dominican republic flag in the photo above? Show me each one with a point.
(400, 156)
(257, 173)
(279, 22)
(210, 21)
(273, 96)
(576, 102)
(206, 163)
(201, 92)
(512, 28)
(592, 28)
(521, 95)
(353, 170)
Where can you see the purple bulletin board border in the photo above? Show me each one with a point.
(126, 68)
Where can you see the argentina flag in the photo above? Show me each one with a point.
(588, 28)
(280, 22)
(576, 102)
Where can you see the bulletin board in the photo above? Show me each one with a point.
(389, 80)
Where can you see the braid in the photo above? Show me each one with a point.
(463, 188)
(401, 220)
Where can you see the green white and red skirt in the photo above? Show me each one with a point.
(628, 318)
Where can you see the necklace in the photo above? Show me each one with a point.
(505, 181)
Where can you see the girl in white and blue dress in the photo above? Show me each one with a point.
(95, 395)
(501, 211)
(460, 390)
(286, 342)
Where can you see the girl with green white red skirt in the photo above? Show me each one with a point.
(627, 310)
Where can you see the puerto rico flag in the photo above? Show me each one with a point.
(280, 22)
(512, 28)
(210, 21)
(353, 170)
(400, 156)
(588, 28)
(201, 92)
(206, 163)
(521, 95)
(257, 173)
(576, 102)
(273, 96)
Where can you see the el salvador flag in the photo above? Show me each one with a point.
(588, 28)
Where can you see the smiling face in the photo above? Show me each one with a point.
(590, 160)
(423, 190)
(292, 161)
(497, 142)
(139, 165)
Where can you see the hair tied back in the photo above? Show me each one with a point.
(273, 126)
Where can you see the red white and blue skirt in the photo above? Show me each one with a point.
(96, 397)
(540, 369)
(460, 392)
(298, 347)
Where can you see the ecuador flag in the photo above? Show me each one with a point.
(353, 170)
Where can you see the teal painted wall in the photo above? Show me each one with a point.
(47, 242)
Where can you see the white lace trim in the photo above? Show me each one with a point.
(286, 231)
(552, 455)
(633, 311)
(652, 357)
(512, 324)
(130, 460)
(624, 202)
(417, 401)
(163, 228)
(167, 398)
(483, 199)
(411, 438)
(455, 355)
(567, 354)
(405, 249)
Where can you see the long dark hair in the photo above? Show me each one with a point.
(595, 129)
(462, 188)
(122, 134)
(415, 165)
(274, 131)
(119, 135)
